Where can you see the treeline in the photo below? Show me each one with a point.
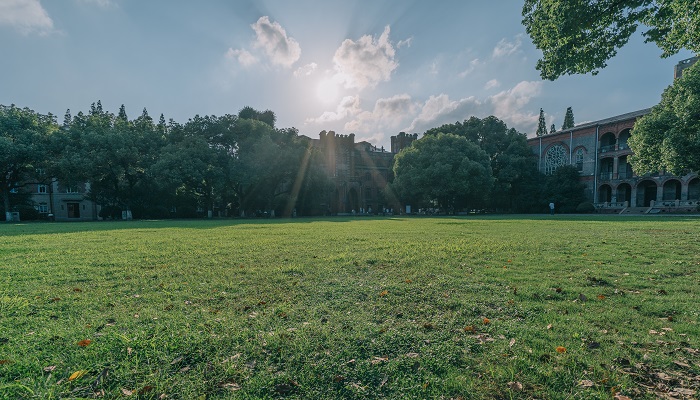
(242, 164)
(481, 164)
(225, 165)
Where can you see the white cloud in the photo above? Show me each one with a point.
(472, 66)
(101, 3)
(511, 106)
(388, 114)
(272, 38)
(26, 16)
(349, 106)
(366, 62)
(506, 48)
(493, 83)
(306, 70)
(405, 42)
(244, 57)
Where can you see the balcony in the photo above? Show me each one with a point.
(607, 148)
(605, 176)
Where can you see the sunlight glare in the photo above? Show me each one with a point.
(327, 90)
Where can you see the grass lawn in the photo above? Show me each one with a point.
(453, 308)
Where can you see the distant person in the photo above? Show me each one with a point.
(551, 208)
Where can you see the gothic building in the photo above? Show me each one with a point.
(360, 172)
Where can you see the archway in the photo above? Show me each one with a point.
(622, 139)
(605, 194)
(607, 142)
(694, 189)
(646, 192)
(672, 190)
(624, 193)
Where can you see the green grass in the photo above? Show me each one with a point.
(342, 308)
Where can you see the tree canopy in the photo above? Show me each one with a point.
(668, 138)
(446, 170)
(579, 37)
(24, 145)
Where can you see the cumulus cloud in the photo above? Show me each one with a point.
(272, 41)
(244, 57)
(272, 38)
(306, 70)
(506, 47)
(349, 106)
(365, 62)
(26, 16)
(388, 114)
(511, 106)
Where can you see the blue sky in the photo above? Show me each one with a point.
(373, 68)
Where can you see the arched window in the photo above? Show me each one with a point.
(555, 158)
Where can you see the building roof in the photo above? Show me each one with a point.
(606, 121)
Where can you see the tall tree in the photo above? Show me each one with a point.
(552, 129)
(24, 141)
(541, 124)
(668, 138)
(568, 119)
(581, 36)
(444, 169)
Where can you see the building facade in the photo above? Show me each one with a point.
(360, 172)
(600, 152)
(59, 202)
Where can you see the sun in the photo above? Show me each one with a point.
(327, 90)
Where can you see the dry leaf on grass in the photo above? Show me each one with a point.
(77, 375)
(586, 383)
(515, 386)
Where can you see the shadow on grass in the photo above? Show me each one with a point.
(38, 228)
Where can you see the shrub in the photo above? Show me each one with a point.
(585, 208)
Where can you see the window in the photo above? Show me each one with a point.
(41, 189)
(555, 158)
(43, 208)
(579, 160)
(72, 189)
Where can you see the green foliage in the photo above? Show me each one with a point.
(565, 189)
(541, 124)
(24, 149)
(568, 119)
(580, 36)
(347, 309)
(444, 169)
(668, 138)
(514, 168)
(585, 208)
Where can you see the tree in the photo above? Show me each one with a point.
(512, 161)
(568, 119)
(446, 170)
(577, 37)
(541, 124)
(668, 138)
(24, 139)
(565, 189)
(552, 129)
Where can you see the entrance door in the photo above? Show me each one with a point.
(73, 210)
